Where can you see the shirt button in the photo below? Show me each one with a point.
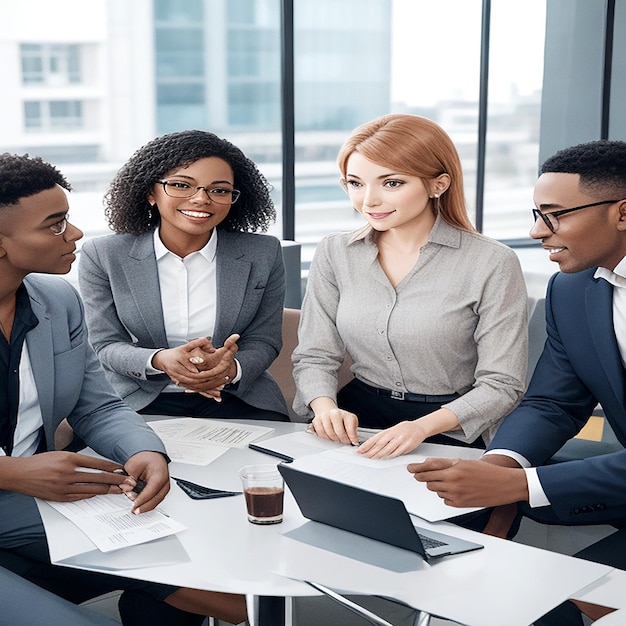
(398, 384)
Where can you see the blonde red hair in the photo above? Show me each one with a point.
(416, 146)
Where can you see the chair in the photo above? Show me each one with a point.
(537, 334)
(23, 602)
(282, 368)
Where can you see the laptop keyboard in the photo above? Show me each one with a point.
(429, 542)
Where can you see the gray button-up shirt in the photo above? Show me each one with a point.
(455, 324)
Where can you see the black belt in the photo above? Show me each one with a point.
(406, 396)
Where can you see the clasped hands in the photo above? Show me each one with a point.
(198, 366)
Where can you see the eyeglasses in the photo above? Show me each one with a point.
(219, 195)
(58, 228)
(551, 220)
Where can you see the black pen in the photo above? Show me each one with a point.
(278, 455)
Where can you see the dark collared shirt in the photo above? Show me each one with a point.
(10, 356)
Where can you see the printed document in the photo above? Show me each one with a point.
(108, 522)
(199, 442)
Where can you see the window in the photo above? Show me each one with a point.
(126, 72)
(50, 64)
(55, 116)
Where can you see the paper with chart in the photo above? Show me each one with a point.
(108, 522)
(199, 442)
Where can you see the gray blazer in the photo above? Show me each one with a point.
(119, 283)
(71, 384)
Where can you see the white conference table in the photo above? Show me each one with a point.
(504, 583)
(607, 591)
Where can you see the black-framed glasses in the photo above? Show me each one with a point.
(551, 220)
(181, 189)
(58, 228)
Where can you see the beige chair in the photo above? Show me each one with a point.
(282, 369)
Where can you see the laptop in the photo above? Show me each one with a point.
(368, 514)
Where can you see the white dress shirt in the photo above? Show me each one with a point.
(188, 296)
(617, 278)
(27, 435)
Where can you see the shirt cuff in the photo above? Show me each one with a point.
(149, 368)
(239, 373)
(536, 495)
(522, 461)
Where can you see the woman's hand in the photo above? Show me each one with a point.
(198, 366)
(406, 436)
(391, 442)
(333, 423)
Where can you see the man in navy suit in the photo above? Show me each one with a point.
(581, 221)
(48, 373)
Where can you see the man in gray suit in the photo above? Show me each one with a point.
(48, 372)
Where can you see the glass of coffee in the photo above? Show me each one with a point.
(263, 488)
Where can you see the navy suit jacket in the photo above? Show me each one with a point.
(119, 283)
(580, 367)
(70, 384)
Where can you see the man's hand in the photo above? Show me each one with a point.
(61, 476)
(150, 467)
(465, 483)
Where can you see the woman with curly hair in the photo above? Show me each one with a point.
(183, 273)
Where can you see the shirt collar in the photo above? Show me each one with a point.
(441, 233)
(616, 277)
(208, 251)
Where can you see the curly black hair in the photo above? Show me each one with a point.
(601, 165)
(126, 201)
(22, 176)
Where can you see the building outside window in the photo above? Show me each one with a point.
(53, 116)
(50, 64)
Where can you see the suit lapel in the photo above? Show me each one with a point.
(143, 279)
(599, 309)
(41, 355)
(233, 274)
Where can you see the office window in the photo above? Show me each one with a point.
(54, 116)
(173, 11)
(180, 52)
(512, 149)
(50, 64)
(147, 68)
(342, 58)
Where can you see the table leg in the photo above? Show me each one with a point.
(423, 619)
(266, 610)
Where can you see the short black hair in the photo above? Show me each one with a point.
(601, 165)
(22, 176)
(126, 201)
